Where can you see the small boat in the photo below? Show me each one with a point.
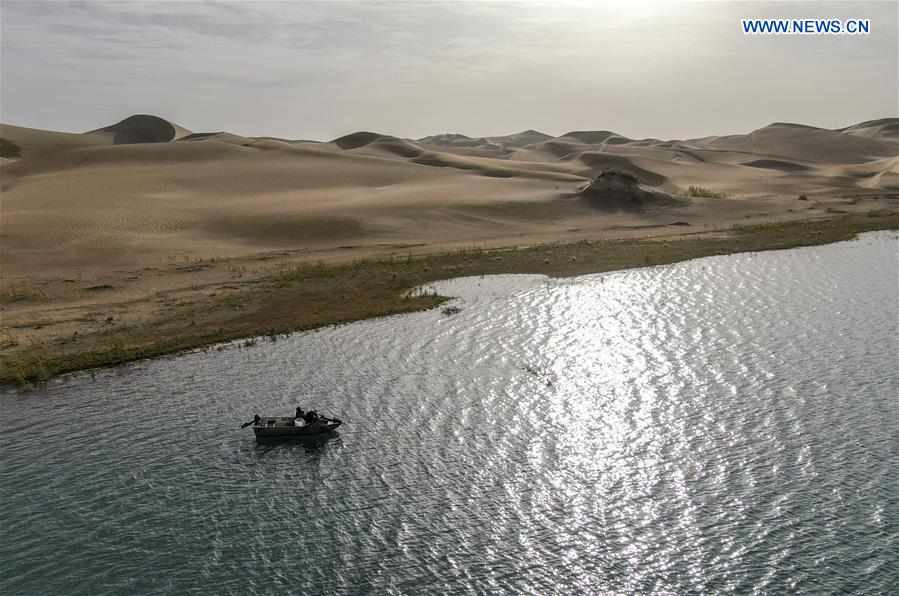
(288, 427)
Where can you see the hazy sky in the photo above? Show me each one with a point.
(321, 69)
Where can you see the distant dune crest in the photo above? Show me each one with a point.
(862, 153)
(885, 129)
(142, 128)
(359, 139)
(596, 137)
(781, 147)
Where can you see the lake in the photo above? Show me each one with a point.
(728, 424)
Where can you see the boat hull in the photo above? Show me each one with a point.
(276, 429)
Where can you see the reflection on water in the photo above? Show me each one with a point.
(727, 424)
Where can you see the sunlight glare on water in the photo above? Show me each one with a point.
(725, 424)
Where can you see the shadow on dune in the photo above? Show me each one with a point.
(614, 190)
(596, 137)
(776, 164)
(560, 149)
(439, 160)
(9, 149)
(397, 147)
(358, 139)
(141, 128)
(384, 143)
(201, 135)
(622, 165)
(884, 129)
(283, 229)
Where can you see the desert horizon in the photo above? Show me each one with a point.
(446, 136)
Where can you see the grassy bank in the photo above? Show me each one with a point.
(307, 296)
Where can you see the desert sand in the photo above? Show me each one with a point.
(109, 226)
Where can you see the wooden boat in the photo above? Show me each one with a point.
(285, 427)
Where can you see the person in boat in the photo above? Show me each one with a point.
(255, 422)
(311, 416)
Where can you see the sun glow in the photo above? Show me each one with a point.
(640, 9)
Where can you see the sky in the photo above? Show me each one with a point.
(317, 70)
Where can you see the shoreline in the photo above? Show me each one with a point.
(305, 296)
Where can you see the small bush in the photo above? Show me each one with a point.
(699, 191)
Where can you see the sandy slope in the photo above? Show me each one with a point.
(884, 129)
(29, 142)
(126, 206)
(144, 189)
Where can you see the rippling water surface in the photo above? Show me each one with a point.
(726, 424)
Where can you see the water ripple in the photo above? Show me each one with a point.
(724, 425)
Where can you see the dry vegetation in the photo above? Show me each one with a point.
(704, 193)
(308, 295)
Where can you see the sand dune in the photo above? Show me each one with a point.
(378, 145)
(498, 168)
(452, 140)
(596, 137)
(464, 145)
(123, 156)
(777, 164)
(884, 129)
(144, 190)
(804, 143)
(618, 190)
(495, 143)
(358, 139)
(550, 150)
(218, 136)
(142, 128)
(520, 139)
(887, 178)
(397, 147)
(605, 161)
(881, 174)
(30, 142)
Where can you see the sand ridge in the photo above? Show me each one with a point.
(144, 191)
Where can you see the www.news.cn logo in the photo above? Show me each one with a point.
(806, 26)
